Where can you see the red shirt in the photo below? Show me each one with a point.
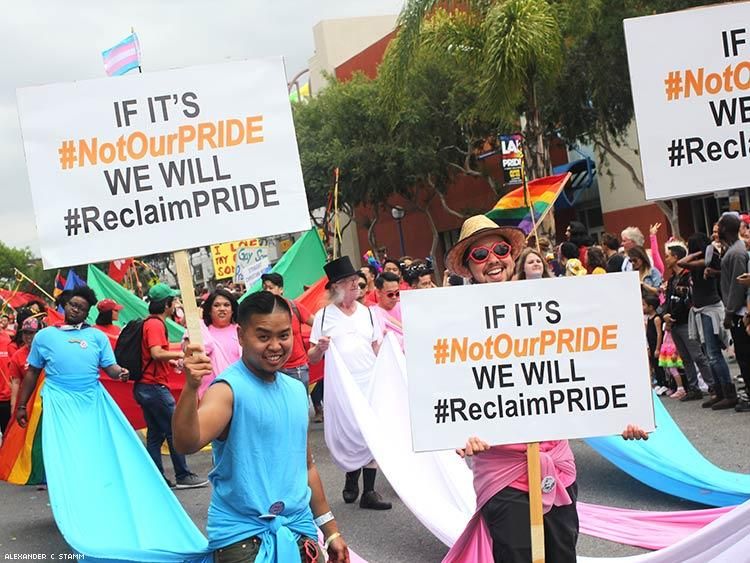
(154, 334)
(113, 331)
(5, 343)
(371, 298)
(298, 357)
(18, 363)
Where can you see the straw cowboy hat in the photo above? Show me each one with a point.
(472, 230)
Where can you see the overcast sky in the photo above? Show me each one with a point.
(60, 41)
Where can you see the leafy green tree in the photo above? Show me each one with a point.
(22, 259)
(514, 48)
(431, 133)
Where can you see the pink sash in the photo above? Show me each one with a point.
(497, 469)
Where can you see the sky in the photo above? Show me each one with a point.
(44, 42)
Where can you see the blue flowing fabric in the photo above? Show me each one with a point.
(668, 462)
(108, 499)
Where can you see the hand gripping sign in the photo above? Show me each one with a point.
(526, 361)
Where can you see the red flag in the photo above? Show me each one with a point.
(118, 269)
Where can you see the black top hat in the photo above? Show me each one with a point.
(339, 269)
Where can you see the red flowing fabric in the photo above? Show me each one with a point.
(314, 298)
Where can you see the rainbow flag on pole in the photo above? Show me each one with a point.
(21, 461)
(511, 210)
(123, 57)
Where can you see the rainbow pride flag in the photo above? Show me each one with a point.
(21, 460)
(123, 57)
(511, 209)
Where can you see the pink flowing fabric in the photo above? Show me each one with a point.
(223, 347)
(495, 470)
(650, 530)
(391, 321)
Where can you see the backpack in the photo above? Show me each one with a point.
(129, 348)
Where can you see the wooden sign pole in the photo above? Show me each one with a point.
(536, 512)
(187, 289)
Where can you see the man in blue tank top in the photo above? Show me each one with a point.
(267, 495)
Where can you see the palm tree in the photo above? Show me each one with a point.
(514, 46)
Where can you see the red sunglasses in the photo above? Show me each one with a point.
(480, 254)
(392, 294)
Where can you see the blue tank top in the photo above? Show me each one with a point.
(260, 471)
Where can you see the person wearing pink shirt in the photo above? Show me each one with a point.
(388, 309)
(219, 331)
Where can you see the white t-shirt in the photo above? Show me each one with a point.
(352, 335)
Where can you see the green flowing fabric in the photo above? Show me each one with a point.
(134, 308)
(301, 265)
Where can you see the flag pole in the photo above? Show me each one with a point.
(529, 203)
(138, 48)
(21, 275)
(336, 226)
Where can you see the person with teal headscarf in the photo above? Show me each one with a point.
(267, 495)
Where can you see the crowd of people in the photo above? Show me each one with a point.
(247, 387)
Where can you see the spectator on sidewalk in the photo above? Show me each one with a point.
(677, 305)
(734, 263)
(706, 318)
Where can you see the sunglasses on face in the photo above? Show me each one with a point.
(480, 254)
(392, 294)
(362, 285)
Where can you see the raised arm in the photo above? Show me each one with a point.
(194, 426)
(654, 244)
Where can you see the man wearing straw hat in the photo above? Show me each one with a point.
(486, 253)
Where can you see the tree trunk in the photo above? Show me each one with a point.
(538, 159)
(669, 208)
(371, 238)
(671, 212)
(435, 238)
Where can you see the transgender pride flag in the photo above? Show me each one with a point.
(123, 57)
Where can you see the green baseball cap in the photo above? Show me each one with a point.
(161, 291)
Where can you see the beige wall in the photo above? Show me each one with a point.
(625, 193)
(336, 41)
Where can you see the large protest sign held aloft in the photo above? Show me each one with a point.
(690, 77)
(162, 161)
(526, 361)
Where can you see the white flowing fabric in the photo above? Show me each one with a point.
(348, 448)
(437, 486)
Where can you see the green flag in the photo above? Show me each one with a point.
(301, 265)
(134, 308)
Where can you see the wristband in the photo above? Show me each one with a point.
(19, 407)
(324, 518)
(332, 537)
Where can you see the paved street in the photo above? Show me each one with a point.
(27, 526)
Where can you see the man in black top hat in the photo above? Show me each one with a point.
(356, 335)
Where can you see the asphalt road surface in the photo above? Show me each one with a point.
(27, 526)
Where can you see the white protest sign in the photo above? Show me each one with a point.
(250, 264)
(526, 361)
(690, 77)
(162, 161)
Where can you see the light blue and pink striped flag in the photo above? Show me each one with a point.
(123, 57)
